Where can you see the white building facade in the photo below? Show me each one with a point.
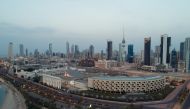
(122, 51)
(106, 64)
(53, 81)
(127, 84)
(165, 50)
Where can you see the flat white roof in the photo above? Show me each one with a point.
(123, 78)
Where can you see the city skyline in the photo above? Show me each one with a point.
(94, 54)
(17, 49)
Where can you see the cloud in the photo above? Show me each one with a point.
(8, 29)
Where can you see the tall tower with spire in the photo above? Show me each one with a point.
(122, 49)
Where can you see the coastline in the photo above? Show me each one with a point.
(13, 98)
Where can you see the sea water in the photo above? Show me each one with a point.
(2, 94)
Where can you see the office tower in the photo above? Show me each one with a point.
(85, 54)
(137, 58)
(76, 51)
(26, 52)
(122, 52)
(165, 50)
(72, 50)
(10, 52)
(21, 46)
(142, 56)
(91, 51)
(181, 55)
(147, 47)
(67, 49)
(174, 59)
(130, 55)
(36, 53)
(157, 55)
(50, 50)
(187, 54)
(102, 54)
(109, 50)
(152, 57)
(115, 55)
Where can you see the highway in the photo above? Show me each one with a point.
(187, 103)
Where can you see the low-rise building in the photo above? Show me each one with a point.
(78, 84)
(148, 68)
(123, 84)
(53, 81)
(25, 74)
(181, 66)
(106, 64)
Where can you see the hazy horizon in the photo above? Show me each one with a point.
(83, 22)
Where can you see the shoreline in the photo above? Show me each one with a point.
(13, 98)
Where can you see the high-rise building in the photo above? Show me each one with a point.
(10, 52)
(165, 50)
(130, 55)
(147, 48)
(91, 51)
(181, 55)
(187, 54)
(157, 55)
(174, 59)
(152, 57)
(67, 49)
(72, 50)
(122, 51)
(115, 55)
(142, 56)
(26, 52)
(21, 46)
(50, 50)
(77, 51)
(36, 53)
(109, 50)
(102, 54)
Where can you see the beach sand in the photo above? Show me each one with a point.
(13, 99)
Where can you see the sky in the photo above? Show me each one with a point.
(35, 23)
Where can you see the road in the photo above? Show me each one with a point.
(187, 103)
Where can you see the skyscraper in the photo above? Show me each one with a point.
(187, 54)
(50, 50)
(181, 55)
(91, 51)
(157, 55)
(76, 51)
(109, 50)
(21, 46)
(130, 55)
(26, 52)
(102, 54)
(147, 47)
(36, 53)
(174, 59)
(165, 50)
(142, 56)
(10, 52)
(67, 49)
(73, 50)
(122, 52)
